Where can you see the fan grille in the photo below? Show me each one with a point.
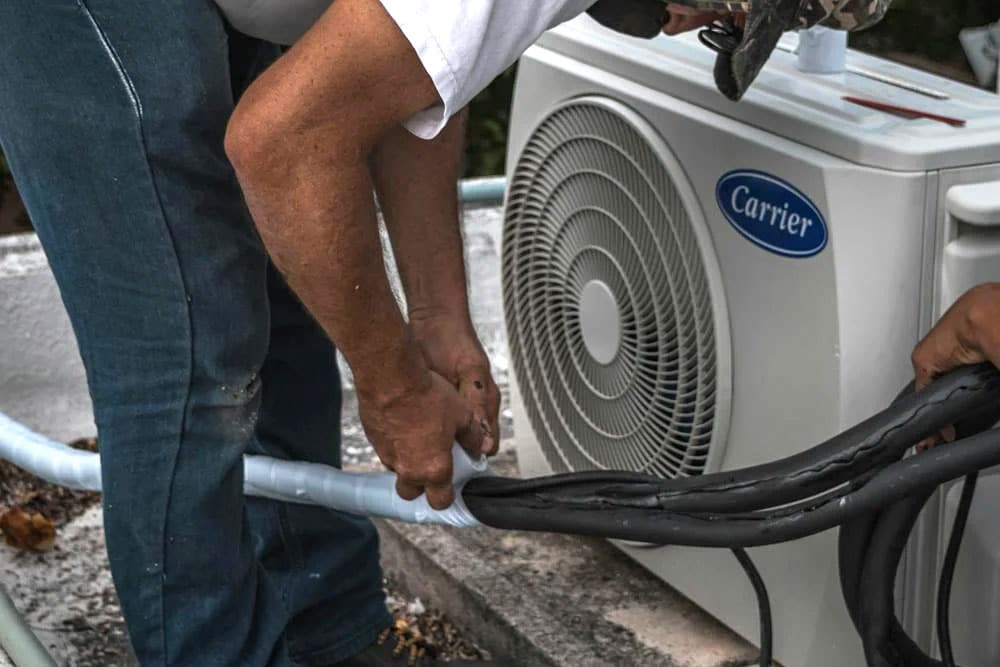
(592, 202)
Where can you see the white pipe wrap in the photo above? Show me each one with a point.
(367, 494)
(52, 461)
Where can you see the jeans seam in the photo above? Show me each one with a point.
(136, 102)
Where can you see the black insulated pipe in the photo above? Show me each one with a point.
(862, 480)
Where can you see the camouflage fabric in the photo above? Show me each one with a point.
(737, 67)
(843, 14)
(768, 19)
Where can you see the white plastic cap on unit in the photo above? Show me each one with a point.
(975, 204)
(822, 51)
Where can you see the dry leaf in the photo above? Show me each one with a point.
(30, 531)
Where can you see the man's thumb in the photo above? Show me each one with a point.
(470, 432)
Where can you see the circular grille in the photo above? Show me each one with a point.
(601, 224)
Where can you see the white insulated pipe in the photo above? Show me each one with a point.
(368, 494)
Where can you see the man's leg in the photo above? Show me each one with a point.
(326, 563)
(112, 115)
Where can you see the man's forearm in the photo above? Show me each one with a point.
(416, 182)
(300, 140)
(337, 271)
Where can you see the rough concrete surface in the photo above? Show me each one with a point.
(42, 383)
(556, 601)
(67, 596)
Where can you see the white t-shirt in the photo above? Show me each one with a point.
(463, 44)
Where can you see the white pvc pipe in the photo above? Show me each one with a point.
(17, 639)
(52, 461)
(369, 494)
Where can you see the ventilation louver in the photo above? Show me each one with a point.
(612, 297)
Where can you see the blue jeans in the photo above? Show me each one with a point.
(112, 115)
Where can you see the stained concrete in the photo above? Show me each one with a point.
(67, 596)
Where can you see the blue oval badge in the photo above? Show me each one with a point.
(771, 213)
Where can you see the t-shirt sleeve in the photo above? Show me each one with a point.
(463, 46)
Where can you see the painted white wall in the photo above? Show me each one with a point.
(42, 382)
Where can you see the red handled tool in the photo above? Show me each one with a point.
(905, 112)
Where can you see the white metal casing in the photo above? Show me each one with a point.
(818, 344)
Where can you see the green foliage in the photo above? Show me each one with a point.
(486, 136)
(929, 29)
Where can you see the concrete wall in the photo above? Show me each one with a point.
(42, 381)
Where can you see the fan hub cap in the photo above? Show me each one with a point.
(600, 321)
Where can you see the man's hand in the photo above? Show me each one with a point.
(452, 350)
(682, 18)
(413, 435)
(416, 180)
(969, 333)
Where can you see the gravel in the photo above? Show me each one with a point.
(445, 640)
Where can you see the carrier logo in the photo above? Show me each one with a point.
(771, 213)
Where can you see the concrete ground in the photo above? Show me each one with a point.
(528, 599)
(67, 596)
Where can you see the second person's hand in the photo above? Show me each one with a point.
(969, 333)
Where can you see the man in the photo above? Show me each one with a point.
(118, 119)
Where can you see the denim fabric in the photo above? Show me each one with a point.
(112, 116)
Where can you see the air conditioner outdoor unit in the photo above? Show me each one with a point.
(693, 285)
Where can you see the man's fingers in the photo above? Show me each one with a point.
(440, 496)
(470, 433)
(683, 19)
(682, 10)
(966, 334)
(434, 479)
(408, 490)
(469, 430)
(493, 419)
(482, 394)
(947, 434)
(924, 375)
(933, 356)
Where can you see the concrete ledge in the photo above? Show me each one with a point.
(555, 601)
